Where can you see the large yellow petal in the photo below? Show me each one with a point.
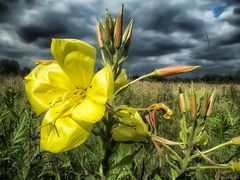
(88, 111)
(76, 58)
(101, 87)
(92, 108)
(46, 83)
(63, 133)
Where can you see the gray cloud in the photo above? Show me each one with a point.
(165, 33)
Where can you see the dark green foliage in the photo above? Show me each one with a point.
(9, 67)
(12, 67)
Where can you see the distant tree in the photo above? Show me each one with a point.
(9, 67)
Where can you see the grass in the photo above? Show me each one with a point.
(21, 158)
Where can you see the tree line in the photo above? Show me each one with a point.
(12, 67)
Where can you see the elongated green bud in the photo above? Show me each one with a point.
(111, 25)
(205, 105)
(106, 33)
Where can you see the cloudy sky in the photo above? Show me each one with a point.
(166, 32)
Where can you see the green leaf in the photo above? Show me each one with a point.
(126, 160)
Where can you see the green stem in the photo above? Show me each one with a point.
(212, 149)
(109, 55)
(108, 145)
(103, 56)
(208, 167)
(172, 151)
(185, 162)
(140, 78)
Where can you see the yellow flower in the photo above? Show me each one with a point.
(131, 126)
(72, 95)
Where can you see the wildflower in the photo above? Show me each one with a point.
(73, 97)
(131, 127)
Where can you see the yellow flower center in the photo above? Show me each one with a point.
(68, 101)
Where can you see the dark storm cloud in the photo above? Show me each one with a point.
(234, 19)
(32, 33)
(56, 24)
(10, 8)
(169, 18)
(165, 32)
(230, 38)
(236, 11)
(149, 46)
(216, 53)
(6, 8)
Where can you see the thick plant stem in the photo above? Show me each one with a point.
(186, 160)
(108, 146)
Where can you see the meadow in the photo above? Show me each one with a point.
(21, 157)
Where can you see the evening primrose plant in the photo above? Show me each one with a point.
(74, 100)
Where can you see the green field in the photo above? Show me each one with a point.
(21, 157)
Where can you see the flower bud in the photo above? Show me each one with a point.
(128, 32)
(193, 109)
(211, 103)
(182, 104)
(236, 140)
(174, 70)
(118, 30)
(106, 33)
(111, 25)
(99, 30)
(205, 105)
